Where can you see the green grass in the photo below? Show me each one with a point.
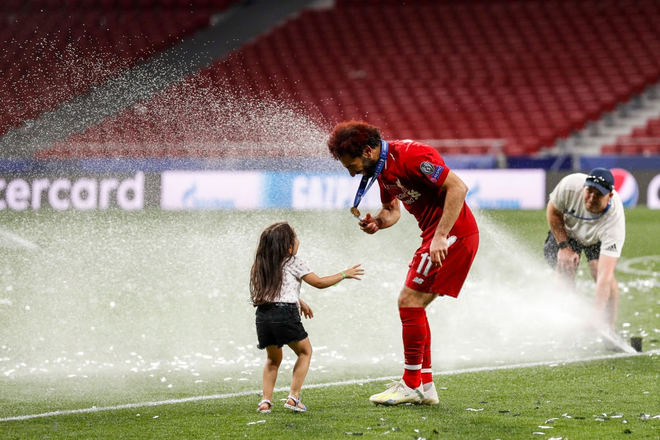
(603, 399)
(591, 400)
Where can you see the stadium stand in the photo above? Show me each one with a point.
(643, 140)
(55, 50)
(467, 76)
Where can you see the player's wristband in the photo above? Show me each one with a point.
(562, 245)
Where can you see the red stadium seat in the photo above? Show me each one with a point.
(609, 150)
(530, 72)
(78, 44)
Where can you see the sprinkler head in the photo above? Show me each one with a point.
(636, 343)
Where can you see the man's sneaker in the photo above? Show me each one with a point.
(398, 393)
(430, 394)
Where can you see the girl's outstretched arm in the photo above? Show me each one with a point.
(322, 282)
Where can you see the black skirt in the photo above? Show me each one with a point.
(279, 324)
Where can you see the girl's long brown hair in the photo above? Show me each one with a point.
(274, 250)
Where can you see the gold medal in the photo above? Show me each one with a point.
(355, 212)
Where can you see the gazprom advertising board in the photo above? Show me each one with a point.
(192, 190)
(182, 190)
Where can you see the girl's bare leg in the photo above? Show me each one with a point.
(302, 349)
(273, 361)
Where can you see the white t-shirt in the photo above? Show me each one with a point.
(609, 229)
(294, 270)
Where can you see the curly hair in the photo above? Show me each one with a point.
(274, 250)
(352, 137)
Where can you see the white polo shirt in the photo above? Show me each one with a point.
(585, 227)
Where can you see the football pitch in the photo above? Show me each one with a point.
(137, 325)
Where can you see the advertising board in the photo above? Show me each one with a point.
(489, 189)
(246, 190)
(653, 193)
(62, 193)
(209, 190)
(504, 189)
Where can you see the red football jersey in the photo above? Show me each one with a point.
(414, 174)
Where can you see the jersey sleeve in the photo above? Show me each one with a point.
(426, 165)
(418, 163)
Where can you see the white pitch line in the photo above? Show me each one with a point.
(319, 385)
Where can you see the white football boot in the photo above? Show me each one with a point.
(399, 393)
(430, 394)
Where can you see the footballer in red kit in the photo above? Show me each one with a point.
(415, 175)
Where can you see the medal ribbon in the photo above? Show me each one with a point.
(364, 186)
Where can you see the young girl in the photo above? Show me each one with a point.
(275, 282)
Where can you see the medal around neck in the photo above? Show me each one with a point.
(366, 183)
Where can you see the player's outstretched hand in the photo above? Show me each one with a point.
(354, 272)
(368, 224)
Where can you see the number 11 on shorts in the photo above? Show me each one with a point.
(424, 264)
(425, 261)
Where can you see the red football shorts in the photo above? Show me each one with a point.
(423, 276)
